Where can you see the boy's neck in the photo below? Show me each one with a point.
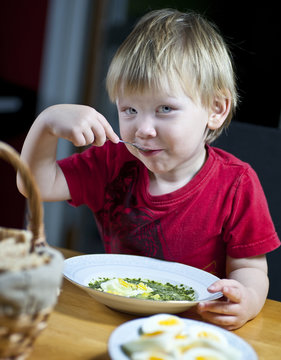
(160, 184)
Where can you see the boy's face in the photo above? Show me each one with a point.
(172, 127)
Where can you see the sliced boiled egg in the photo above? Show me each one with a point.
(166, 337)
(151, 355)
(157, 340)
(162, 323)
(211, 339)
(201, 353)
(206, 333)
(121, 287)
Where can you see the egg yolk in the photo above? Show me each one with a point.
(168, 322)
(124, 283)
(141, 286)
(156, 333)
(180, 337)
(207, 335)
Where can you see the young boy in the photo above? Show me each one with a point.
(180, 200)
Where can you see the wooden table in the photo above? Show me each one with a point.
(79, 328)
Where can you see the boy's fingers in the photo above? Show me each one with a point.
(218, 307)
(227, 322)
(212, 307)
(220, 284)
(232, 293)
(89, 136)
(103, 131)
(111, 135)
(109, 132)
(78, 139)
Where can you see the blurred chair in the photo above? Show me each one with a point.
(261, 147)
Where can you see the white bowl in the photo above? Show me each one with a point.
(81, 270)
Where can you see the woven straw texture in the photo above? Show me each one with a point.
(30, 272)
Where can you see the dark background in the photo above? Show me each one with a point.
(22, 30)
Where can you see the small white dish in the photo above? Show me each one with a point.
(130, 331)
(81, 270)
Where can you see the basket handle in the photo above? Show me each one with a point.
(35, 209)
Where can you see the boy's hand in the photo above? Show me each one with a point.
(82, 125)
(233, 310)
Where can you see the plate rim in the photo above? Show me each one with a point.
(147, 258)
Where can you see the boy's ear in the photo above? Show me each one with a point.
(218, 113)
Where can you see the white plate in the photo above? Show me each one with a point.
(80, 270)
(130, 330)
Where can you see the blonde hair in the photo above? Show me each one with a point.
(169, 51)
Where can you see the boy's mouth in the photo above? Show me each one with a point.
(137, 146)
(142, 149)
(149, 152)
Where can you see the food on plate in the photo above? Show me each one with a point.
(156, 334)
(205, 354)
(167, 337)
(162, 323)
(151, 355)
(206, 335)
(144, 289)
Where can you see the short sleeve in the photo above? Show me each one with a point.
(85, 174)
(88, 173)
(250, 230)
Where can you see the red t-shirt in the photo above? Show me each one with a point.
(222, 210)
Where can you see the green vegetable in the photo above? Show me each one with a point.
(161, 292)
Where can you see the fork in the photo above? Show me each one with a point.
(137, 146)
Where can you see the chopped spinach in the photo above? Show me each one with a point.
(161, 292)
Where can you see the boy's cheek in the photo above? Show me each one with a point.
(126, 132)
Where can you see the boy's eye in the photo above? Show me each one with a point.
(164, 109)
(130, 111)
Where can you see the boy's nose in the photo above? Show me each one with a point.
(146, 128)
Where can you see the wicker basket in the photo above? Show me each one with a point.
(30, 276)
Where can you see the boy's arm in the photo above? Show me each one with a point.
(245, 291)
(39, 152)
(252, 273)
(79, 124)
